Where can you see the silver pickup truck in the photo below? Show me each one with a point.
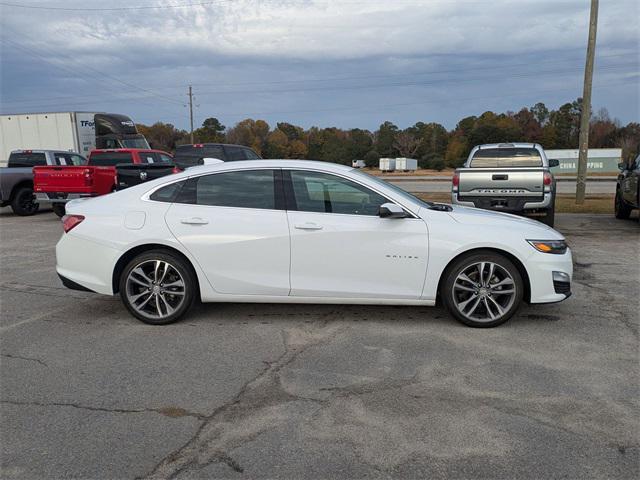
(507, 177)
(16, 179)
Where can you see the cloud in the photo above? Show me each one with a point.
(256, 47)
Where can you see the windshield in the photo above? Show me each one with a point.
(506, 157)
(135, 142)
(399, 191)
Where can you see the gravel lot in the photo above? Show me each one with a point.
(290, 391)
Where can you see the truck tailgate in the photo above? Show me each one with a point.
(129, 175)
(61, 179)
(502, 182)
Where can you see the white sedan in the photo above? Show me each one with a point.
(304, 232)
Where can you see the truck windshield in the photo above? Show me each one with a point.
(136, 142)
(506, 157)
(110, 159)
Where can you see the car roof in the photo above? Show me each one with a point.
(127, 150)
(267, 163)
(44, 150)
(508, 145)
(210, 144)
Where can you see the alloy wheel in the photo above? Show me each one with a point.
(155, 289)
(484, 291)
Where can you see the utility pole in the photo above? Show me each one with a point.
(191, 111)
(586, 106)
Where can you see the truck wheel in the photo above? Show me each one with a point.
(158, 287)
(58, 209)
(24, 203)
(622, 210)
(482, 289)
(550, 217)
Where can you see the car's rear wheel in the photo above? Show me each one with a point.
(58, 209)
(483, 289)
(622, 210)
(158, 287)
(24, 203)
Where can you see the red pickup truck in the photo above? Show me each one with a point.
(59, 184)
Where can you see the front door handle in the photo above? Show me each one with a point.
(308, 226)
(194, 221)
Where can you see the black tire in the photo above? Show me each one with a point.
(182, 268)
(622, 210)
(58, 209)
(549, 217)
(451, 300)
(24, 203)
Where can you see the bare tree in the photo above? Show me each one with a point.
(406, 144)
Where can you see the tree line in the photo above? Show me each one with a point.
(431, 143)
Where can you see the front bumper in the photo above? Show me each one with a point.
(550, 276)
(60, 197)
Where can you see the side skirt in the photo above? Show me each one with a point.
(316, 300)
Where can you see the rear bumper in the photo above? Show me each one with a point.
(60, 197)
(504, 204)
(85, 263)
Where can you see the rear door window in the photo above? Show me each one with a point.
(110, 159)
(148, 157)
(26, 159)
(243, 189)
(69, 159)
(250, 154)
(506, 157)
(235, 153)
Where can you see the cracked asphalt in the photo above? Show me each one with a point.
(319, 391)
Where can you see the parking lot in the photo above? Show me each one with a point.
(285, 391)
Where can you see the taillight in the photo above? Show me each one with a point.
(456, 179)
(176, 170)
(69, 222)
(547, 178)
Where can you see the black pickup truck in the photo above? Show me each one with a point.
(628, 188)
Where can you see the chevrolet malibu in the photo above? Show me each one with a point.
(304, 232)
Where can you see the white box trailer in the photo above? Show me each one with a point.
(406, 164)
(387, 164)
(74, 131)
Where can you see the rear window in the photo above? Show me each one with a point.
(31, 159)
(506, 157)
(110, 159)
(205, 151)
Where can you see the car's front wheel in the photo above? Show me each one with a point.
(158, 287)
(483, 289)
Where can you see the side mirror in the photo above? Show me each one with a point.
(391, 210)
(554, 163)
(622, 166)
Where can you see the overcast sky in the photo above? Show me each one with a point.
(344, 63)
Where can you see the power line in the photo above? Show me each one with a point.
(493, 68)
(102, 75)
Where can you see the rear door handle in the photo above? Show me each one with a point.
(194, 221)
(308, 226)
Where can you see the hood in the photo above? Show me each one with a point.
(478, 216)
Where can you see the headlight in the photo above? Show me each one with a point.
(557, 247)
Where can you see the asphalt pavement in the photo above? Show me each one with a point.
(319, 391)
